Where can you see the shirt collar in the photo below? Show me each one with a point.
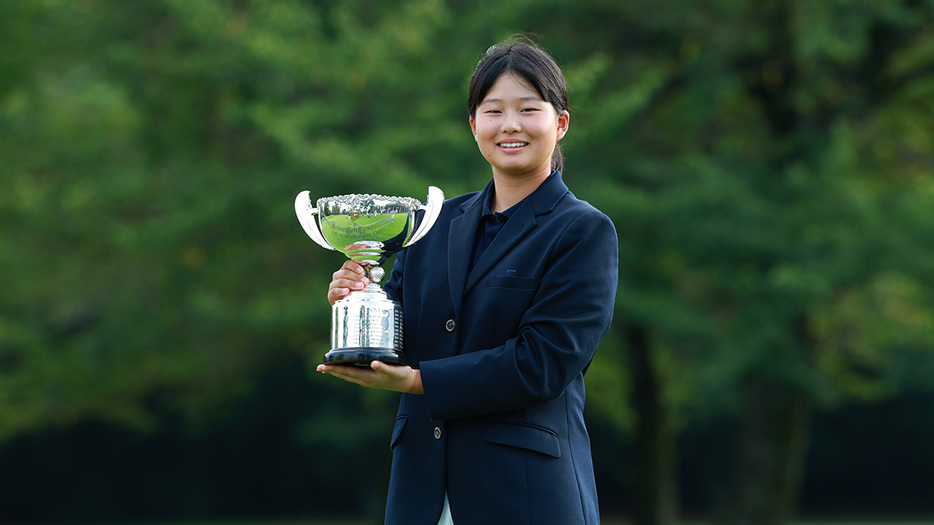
(504, 215)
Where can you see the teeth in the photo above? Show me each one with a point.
(514, 144)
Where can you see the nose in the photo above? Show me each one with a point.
(511, 123)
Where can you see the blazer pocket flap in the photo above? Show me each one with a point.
(507, 281)
(522, 435)
(397, 431)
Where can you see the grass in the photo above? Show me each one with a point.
(342, 230)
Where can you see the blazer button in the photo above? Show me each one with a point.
(437, 432)
(449, 326)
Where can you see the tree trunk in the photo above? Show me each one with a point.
(655, 488)
(771, 453)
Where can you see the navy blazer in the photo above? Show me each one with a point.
(502, 350)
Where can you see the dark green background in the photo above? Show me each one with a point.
(768, 166)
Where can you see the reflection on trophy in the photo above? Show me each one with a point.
(367, 325)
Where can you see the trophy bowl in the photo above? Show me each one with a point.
(366, 325)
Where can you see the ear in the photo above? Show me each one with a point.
(473, 128)
(564, 121)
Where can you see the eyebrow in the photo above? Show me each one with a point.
(523, 99)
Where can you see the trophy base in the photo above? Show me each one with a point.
(362, 356)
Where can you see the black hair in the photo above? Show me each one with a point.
(534, 65)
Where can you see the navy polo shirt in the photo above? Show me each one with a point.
(490, 224)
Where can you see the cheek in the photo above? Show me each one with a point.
(482, 130)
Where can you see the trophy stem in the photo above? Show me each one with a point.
(373, 272)
(373, 288)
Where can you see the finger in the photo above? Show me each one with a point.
(356, 284)
(347, 275)
(354, 374)
(341, 289)
(348, 279)
(384, 368)
(353, 266)
(336, 294)
(351, 270)
(345, 370)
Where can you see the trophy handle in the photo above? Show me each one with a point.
(432, 211)
(306, 216)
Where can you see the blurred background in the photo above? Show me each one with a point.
(768, 165)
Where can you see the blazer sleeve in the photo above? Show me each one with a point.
(392, 286)
(557, 336)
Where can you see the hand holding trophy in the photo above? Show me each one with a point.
(367, 325)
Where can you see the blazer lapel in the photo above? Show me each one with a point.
(460, 247)
(464, 228)
(517, 227)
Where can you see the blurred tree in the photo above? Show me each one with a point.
(752, 182)
(767, 166)
(152, 265)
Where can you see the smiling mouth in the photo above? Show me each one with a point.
(509, 145)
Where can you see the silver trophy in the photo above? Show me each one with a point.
(367, 325)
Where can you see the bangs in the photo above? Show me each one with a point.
(523, 61)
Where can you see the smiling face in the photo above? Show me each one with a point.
(516, 130)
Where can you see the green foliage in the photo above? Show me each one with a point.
(750, 165)
(767, 166)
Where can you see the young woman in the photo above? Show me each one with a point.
(504, 302)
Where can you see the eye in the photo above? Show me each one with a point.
(529, 110)
(492, 112)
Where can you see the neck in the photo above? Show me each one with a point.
(511, 190)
